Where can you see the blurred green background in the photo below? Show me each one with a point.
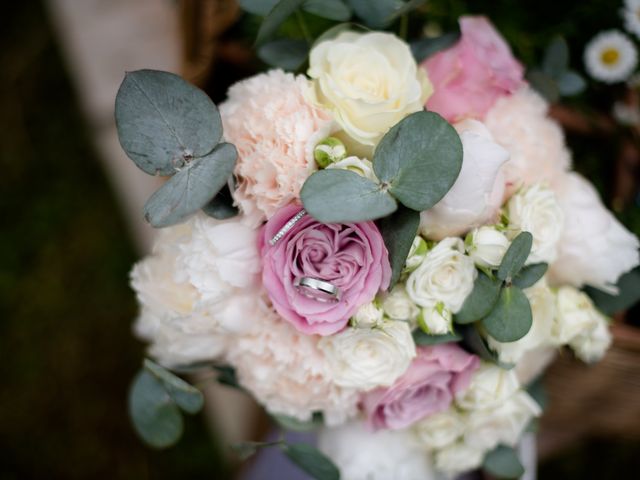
(66, 310)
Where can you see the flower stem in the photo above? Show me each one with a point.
(303, 27)
(404, 26)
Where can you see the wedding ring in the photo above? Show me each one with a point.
(317, 289)
(287, 226)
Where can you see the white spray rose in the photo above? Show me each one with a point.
(398, 306)
(361, 166)
(368, 315)
(592, 345)
(486, 246)
(535, 209)
(595, 249)
(417, 252)
(446, 275)
(440, 429)
(361, 454)
(490, 386)
(459, 457)
(476, 195)
(436, 320)
(364, 359)
(369, 82)
(576, 315)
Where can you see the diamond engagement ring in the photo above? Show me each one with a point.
(287, 226)
(317, 289)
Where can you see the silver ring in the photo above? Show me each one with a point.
(317, 289)
(287, 226)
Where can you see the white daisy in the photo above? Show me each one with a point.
(631, 15)
(610, 57)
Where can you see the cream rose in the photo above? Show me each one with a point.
(398, 306)
(369, 81)
(446, 275)
(440, 429)
(368, 315)
(490, 386)
(364, 359)
(486, 246)
(458, 457)
(535, 210)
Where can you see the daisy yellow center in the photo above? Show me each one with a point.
(610, 56)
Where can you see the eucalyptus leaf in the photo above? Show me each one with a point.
(419, 159)
(245, 450)
(336, 30)
(398, 231)
(421, 338)
(556, 58)
(276, 17)
(529, 275)
(163, 121)
(186, 396)
(544, 85)
(571, 83)
(342, 196)
(510, 319)
(290, 423)
(155, 416)
(332, 9)
(503, 462)
(403, 8)
(628, 294)
(191, 188)
(312, 461)
(426, 47)
(516, 256)
(221, 207)
(478, 345)
(258, 7)
(537, 391)
(286, 53)
(480, 301)
(375, 14)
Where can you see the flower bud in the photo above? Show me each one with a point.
(486, 246)
(328, 151)
(417, 253)
(436, 320)
(361, 166)
(368, 315)
(398, 306)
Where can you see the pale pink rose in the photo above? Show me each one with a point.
(470, 76)
(350, 256)
(274, 128)
(433, 379)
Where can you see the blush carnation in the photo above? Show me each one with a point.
(350, 256)
(430, 384)
(274, 129)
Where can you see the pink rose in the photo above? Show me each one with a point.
(428, 386)
(470, 76)
(351, 257)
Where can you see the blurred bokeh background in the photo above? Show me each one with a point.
(71, 228)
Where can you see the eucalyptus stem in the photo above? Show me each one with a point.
(303, 27)
(404, 26)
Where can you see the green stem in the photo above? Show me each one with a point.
(303, 27)
(404, 26)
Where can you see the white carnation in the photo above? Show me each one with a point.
(440, 429)
(591, 345)
(486, 246)
(365, 359)
(397, 305)
(576, 315)
(446, 275)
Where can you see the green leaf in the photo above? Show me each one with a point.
(163, 121)
(503, 462)
(544, 85)
(375, 14)
(155, 416)
(258, 7)
(186, 396)
(628, 294)
(290, 423)
(515, 256)
(475, 343)
(221, 207)
(403, 8)
(480, 301)
(571, 83)
(341, 196)
(276, 17)
(419, 159)
(421, 338)
(227, 376)
(537, 391)
(511, 318)
(426, 47)
(556, 58)
(288, 54)
(191, 188)
(244, 450)
(529, 275)
(312, 461)
(331, 9)
(398, 231)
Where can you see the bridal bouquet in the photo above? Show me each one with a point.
(391, 251)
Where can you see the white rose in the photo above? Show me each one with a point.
(486, 246)
(446, 275)
(595, 249)
(369, 81)
(535, 209)
(503, 424)
(476, 195)
(440, 429)
(592, 345)
(490, 386)
(368, 315)
(361, 166)
(436, 320)
(398, 306)
(543, 310)
(459, 457)
(417, 252)
(361, 454)
(365, 359)
(576, 315)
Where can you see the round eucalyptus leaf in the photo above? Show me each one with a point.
(343, 196)
(312, 461)
(516, 256)
(503, 462)
(422, 338)
(426, 47)
(419, 159)
(282, 10)
(285, 53)
(374, 14)
(476, 343)
(331, 9)
(556, 58)
(398, 231)
(529, 275)
(221, 207)
(186, 396)
(571, 83)
(191, 188)
(511, 318)
(155, 416)
(163, 121)
(480, 301)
